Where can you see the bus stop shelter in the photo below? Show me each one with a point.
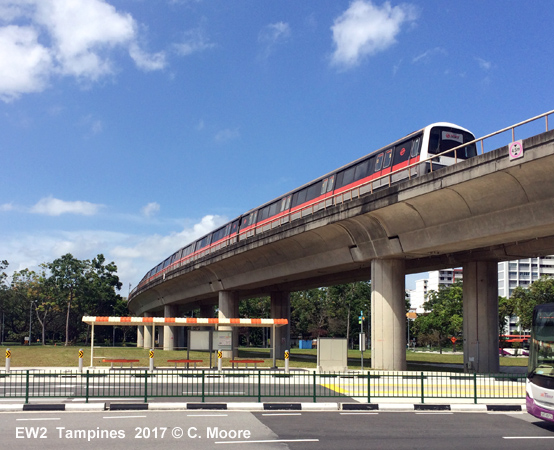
(180, 322)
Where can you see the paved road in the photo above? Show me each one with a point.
(273, 430)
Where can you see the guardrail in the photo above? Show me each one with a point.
(258, 384)
(333, 200)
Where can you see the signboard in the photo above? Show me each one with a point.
(515, 150)
(223, 340)
(199, 340)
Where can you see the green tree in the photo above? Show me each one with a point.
(505, 311)
(525, 299)
(309, 313)
(345, 303)
(83, 287)
(67, 278)
(445, 316)
(258, 308)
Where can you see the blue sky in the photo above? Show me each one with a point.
(131, 127)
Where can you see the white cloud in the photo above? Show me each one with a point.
(484, 64)
(146, 61)
(272, 35)
(426, 55)
(133, 254)
(6, 207)
(227, 135)
(365, 29)
(194, 41)
(150, 209)
(66, 38)
(51, 206)
(25, 62)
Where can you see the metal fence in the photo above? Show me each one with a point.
(207, 385)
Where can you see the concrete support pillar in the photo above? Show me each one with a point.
(229, 309)
(170, 333)
(140, 336)
(388, 314)
(147, 332)
(280, 309)
(481, 317)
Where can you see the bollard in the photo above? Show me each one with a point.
(219, 360)
(287, 359)
(8, 360)
(151, 354)
(81, 353)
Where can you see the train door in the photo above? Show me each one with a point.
(327, 190)
(383, 166)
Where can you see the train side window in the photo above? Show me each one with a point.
(324, 186)
(313, 191)
(286, 203)
(348, 176)
(331, 183)
(379, 162)
(235, 226)
(264, 213)
(299, 197)
(388, 158)
(415, 148)
(361, 170)
(274, 209)
(402, 153)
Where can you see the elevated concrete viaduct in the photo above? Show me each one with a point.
(473, 214)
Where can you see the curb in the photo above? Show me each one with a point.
(159, 406)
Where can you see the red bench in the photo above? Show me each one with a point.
(246, 362)
(185, 361)
(120, 361)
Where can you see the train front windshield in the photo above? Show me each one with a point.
(541, 355)
(442, 139)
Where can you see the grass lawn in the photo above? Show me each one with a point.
(60, 356)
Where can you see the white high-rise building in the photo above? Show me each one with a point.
(511, 274)
(523, 272)
(436, 278)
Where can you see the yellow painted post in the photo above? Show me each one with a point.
(219, 360)
(151, 355)
(8, 359)
(287, 359)
(81, 354)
